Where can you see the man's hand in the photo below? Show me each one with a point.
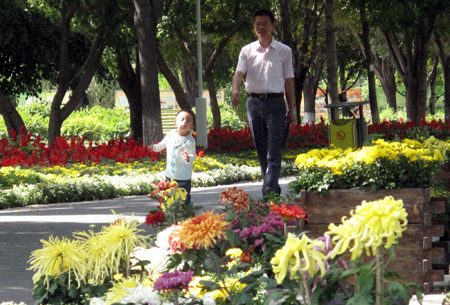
(235, 97)
(237, 82)
(290, 117)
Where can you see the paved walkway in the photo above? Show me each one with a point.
(21, 230)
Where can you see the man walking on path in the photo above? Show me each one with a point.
(267, 64)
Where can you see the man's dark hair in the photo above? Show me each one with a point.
(264, 13)
(187, 111)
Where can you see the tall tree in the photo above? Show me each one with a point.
(407, 28)
(301, 28)
(331, 52)
(146, 21)
(365, 35)
(221, 21)
(441, 40)
(99, 18)
(27, 56)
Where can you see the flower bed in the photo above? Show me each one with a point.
(382, 165)
(238, 255)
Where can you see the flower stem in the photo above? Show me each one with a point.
(306, 289)
(175, 297)
(379, 276)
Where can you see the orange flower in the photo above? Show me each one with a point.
(202, 230)
(238, 198)
(288, 211)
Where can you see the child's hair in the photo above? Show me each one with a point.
(188, 111)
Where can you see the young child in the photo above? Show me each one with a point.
(181, 152)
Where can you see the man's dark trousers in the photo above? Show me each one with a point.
(267, 118)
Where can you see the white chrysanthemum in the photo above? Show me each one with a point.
(97, 301)
(208, 299)
(157, 258)
(141, 295)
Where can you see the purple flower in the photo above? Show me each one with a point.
(174, 281)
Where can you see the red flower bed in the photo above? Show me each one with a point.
(28, 153)
(400, 129)
(228, 140)
(308, 136)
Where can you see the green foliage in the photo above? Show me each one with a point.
(22, 187)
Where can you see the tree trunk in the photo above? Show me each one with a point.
(54, 125)
(309, 101)
(189, 72)
(310, 86)
(444, 58)
(174, 83)
(209, 77)
(331, 55)
(432, 77)
(146, 19)
(411, 63)
(447, 91)
(85, 75)
(131, 86)
(11, 116)
(369, 66)
(385, 74)
(217, 123)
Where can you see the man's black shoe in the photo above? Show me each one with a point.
(268, 191)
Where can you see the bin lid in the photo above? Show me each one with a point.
(346, 104)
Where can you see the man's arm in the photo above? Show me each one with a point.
(290, 97)
(237, 82)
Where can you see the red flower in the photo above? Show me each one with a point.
(237, 198)
(155, 218)
(289, 211)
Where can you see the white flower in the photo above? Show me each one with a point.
(97, 301)
(156, 256)
(162, 239)
(208, 299)
(141, 295)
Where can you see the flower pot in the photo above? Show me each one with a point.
(414, 252)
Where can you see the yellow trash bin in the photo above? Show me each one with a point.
(343, 133)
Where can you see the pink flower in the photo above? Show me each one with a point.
(173, 281)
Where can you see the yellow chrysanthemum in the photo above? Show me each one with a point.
(372, 224)
(234, 253)
(298, 254)
(118, 241)
(119, 290)
(196, 289)
(202, 230)
(337, 160)
(97, 262)
(57, 256)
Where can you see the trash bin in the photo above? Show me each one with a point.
(343, 133)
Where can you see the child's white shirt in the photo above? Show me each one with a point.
(177, 168)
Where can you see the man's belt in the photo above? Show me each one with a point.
(265, 95)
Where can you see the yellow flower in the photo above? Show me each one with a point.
(196, 289)
(118, 241)
(119, 290)
(58, 256)
(202, 230)
(298, 254)
(372, 224)
(234, 252)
